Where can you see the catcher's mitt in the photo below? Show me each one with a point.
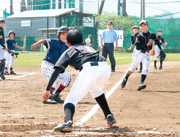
(162, 55)
(152, 52)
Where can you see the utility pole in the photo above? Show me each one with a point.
(81, 5)
(11, 7)
(118, 7)
(23, 6)
(142, 9)
(101, 7)
(124, 13)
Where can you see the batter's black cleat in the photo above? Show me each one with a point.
(110, 119)
(141, 86)
(64, 127)
(56, 98)
(6, 73)
(2, 76)
(160, 67)
(12, 72)
(123, 84)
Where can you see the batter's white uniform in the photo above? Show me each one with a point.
(9, 60)
(157, 52)
(47, 68)
(90, 79)
(139, 57)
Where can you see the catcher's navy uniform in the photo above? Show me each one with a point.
(94, 73)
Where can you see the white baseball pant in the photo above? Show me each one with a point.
(139, 57)
(2, 53)
(133, 54)
(9, 59)
(47, 69)
(90, 79)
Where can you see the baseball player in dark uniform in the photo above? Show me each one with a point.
(11, 44)
(133, 39)
(55, 48)
(158, 49)
(108, 37)
(94, 73)
(143, 45)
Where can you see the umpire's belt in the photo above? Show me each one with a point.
(108, 43)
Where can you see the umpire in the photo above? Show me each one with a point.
(109, 36)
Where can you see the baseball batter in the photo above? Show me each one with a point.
(133, 39)
(11, 44)
(158, 48)
(143, 45)
(94, 73)
(55, 49)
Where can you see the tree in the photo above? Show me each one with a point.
(119, 23)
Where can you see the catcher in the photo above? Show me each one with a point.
(159, 53)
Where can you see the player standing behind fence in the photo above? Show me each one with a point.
(95, 72)
(55, 49)
(11, 44)
(144, 45)
(158, 49)
(109, 36)
(133, 39)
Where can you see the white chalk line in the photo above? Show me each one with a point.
(90, 131)
(96, 107)
(22, 76)
(20, 115)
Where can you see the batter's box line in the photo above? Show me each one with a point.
(22, 76)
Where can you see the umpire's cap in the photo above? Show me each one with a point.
(143, 22)
(110, 22)
(62, 29)
(11, 31)
(74, 36)
(159, 30)
(2, 21)
(135, 27)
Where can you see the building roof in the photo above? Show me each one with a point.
(42, 13)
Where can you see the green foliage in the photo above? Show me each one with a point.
(119, 23)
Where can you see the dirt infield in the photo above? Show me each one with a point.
(158, 106)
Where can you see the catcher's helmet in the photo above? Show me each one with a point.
(2, 21)
(11, 31)
(62, 29)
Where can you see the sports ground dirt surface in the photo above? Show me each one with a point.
(158, 106)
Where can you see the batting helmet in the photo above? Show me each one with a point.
(2, 21)
(11, 31)
(62, 29)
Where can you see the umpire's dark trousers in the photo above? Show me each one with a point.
(108, 48)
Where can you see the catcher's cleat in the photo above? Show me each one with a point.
(64, 127)
(123, 84)
(141, 86)
(56, 98)
(6, 73)
(110, 120)
(49, 101)
(2, 76)
(12, 73)
(160, 67)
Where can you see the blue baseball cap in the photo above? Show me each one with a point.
(135, 27)
(2, 21)
(110, 22)
(143, 22)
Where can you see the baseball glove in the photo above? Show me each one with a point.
(152, 52)
(162, 55)
(12, 54)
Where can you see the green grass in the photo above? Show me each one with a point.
(35, 58)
